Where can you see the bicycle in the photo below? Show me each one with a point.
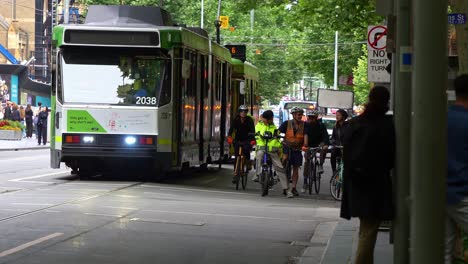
(240, 169)
(266, 177)
(336, 180)
(313, 177)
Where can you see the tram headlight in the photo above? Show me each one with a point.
(130, 140)
(88, 139)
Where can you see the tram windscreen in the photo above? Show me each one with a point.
(97, 75)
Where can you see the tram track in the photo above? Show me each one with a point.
(77, 200)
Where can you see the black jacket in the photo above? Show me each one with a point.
(42, 119)
(338, 134)
(368, 156)
(317, 134)
(28, 114)
(7, 113)
(242, 130)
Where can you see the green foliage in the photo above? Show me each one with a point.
(288, 40)
(361, 86)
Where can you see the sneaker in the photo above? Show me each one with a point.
(320, 168)
(294, 192)
(289, 194)
(255, 178)
(303, 190)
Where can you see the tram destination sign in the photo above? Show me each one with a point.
(110, 37)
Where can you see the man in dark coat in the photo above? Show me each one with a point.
(369, 154)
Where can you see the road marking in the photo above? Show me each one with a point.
(44, 182)
(15, 210)
(39, 176)
(29, 244)
(228, 215)
(126, 196)
(107, 215)
(125, 208)
(159, 221)
(156, 193)
(197, 190)
(40, 204)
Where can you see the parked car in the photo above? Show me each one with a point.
(329, 122)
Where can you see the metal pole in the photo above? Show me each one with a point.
(429, 141)
(402, 113)
(201, 16)
(66, 13)
(218, 23)
(13, 10)
(335, 76)
(252, 19)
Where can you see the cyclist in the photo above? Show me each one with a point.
(318, 136)
(295, 141)
(337, 136)
(274, 149)
(241, 133)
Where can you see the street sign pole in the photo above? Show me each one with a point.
(429, 132)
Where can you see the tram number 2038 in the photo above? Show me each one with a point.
(145, 100)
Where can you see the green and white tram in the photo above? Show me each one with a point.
(131, 88)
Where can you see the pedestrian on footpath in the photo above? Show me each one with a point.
(36, 118)
(42, 126)
(15, 114)
(457, 174)
(368, 156)
(7, 111)
(28, 116)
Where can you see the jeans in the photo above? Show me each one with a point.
(275, 159)
(456, 214)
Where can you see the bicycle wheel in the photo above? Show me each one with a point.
(335, 186)
(310, 176)
(316, 177)
(244, 174)
(264, 179)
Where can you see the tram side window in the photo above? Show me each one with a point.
(59, 80)
(165, 95)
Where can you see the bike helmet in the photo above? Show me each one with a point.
(268, 114)
(297, 110)
(243, 108)
(314, 112)
(343, 113)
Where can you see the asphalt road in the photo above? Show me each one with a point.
(49, 216)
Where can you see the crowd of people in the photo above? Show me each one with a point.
(34, 119)
(299, 135)
(368, 154)
(369, 143)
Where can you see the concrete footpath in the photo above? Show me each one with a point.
(333, 242)
(23, 144)
(336, 243)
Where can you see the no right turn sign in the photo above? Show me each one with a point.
(377, 59)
